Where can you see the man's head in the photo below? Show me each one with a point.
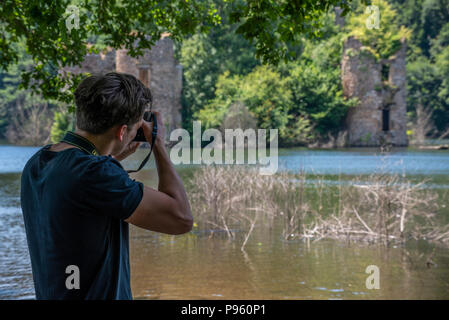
(112, 104)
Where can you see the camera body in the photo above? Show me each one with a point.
(150, 117)
(140, 136)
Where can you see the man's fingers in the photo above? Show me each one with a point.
(147, 129)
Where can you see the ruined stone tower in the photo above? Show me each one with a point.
(157, 69)
(380, 86)
(380, 116)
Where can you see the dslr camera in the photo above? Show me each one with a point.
(150, 117)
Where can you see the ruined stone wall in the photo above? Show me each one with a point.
(397, 77)
(362, 78)
(157, 69)
(95, 63)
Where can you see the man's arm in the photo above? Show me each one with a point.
(167, 209)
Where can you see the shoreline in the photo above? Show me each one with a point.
(443, 146)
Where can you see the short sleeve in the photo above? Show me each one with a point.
(107, 189)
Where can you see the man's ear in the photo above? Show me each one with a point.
(121, 132)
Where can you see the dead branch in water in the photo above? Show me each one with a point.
(386, 208)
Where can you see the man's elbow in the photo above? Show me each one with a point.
(187, 226)
(183, 226)
(184, 223)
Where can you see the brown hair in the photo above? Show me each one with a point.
(103, 101)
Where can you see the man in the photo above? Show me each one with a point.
(77, 202)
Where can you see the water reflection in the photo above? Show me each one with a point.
(195, 267)
(15, 266)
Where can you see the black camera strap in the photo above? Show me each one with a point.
(153, 140)
(84, 144)
(80, 142)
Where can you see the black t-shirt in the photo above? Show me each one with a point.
(74, 204)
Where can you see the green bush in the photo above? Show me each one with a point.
(62, 122)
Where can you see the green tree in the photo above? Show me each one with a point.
(134, 25)
(62, 122)
(384, 41)
(273, 25)
(440, 54)
(302, 98)
(270, 25)
(426, 60)
(423, 83)
(442, 110)
(434, 15)
(262, 91)
(315, 82)
(204, 58)
(16, 104)
(440, 42)
(268, 98)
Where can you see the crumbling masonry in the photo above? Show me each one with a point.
(380, 86)
(380, 116)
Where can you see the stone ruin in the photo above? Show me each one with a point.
(380, 117)
(156, 68)
(380, 86)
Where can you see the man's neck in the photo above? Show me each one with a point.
(102, 143)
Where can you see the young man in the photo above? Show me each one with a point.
(77, 199)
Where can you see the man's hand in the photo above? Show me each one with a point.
(130, 149)
(166, 209)
(148, 128)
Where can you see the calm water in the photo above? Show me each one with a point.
(195, 266)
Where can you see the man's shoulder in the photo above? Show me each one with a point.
(95, 169)
(103, 163)
(75, 162)
(33, 158)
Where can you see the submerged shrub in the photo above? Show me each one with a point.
(386, 207)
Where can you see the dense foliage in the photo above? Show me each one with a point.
(383, 41)
(303, 98)
(273, 64)
(136, 25)
(427, 56)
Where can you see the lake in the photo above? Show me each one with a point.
(197, 266)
